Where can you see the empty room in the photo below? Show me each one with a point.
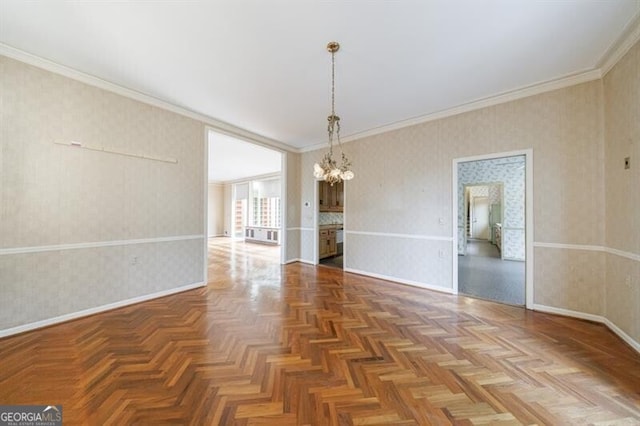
(288, 212)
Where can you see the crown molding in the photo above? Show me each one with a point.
(221, 126)
(628, 38)
(512, 95)
(614, 53)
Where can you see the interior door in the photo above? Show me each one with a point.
(480, 221)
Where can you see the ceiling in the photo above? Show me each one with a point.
(263, 66)
(233, 159)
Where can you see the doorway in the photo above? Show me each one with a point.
(492, 205)
(245, 199)
(330, 201)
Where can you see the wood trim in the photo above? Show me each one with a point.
(603, 249)
(621, 46)
(501, 98)
(219, 126)
(97, 244)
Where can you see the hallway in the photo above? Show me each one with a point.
(481, 273)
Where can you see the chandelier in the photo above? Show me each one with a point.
(328, 169)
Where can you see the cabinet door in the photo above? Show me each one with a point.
(333, 248)
(323, 196)
(333, 197)
(339, 191)
(322, 244)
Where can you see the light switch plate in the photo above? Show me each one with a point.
(627, 163)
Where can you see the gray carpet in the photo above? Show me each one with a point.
(481, 273)
(335, 261)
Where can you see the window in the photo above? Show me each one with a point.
(240, 218)
(256, 203)
(266, 203)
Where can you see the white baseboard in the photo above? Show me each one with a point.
(400, 280)
(568, 313)
(91, 311)
(308, 262)
(591, 317)
(624, 336)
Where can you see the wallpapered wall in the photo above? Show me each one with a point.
(478, 191)
(510, 172)
(137, 225)
(216, 210)
(494, 194)
(398, 208)
(622, 139)
(293, 207)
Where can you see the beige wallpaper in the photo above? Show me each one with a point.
(622, 117)
(622, 139)
(54, 195)
(572, 279)
(215, 210)
(293, 207)
(228, 211)
(293, 190)
(398, 206)
(622, 294)
(403, 186)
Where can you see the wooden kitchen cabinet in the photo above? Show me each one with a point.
(323, 196)
(333, 247)
(331, 197)
(327, 243)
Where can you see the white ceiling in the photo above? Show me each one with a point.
(233, 159)
(262, 65)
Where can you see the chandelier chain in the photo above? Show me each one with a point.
(333, 84)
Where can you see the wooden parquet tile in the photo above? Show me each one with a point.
(265, 344)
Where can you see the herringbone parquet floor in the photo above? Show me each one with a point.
(265, 344)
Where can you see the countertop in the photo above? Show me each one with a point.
(336, 226)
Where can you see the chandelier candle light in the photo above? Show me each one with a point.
(328, 169)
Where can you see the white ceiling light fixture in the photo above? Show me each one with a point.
(328, 169)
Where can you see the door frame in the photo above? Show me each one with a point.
(529, 231)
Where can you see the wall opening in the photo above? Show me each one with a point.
(246, 194)
(492, 197)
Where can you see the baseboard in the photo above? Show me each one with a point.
(308, 262)
(400, 280)
(98, 309)
(590, 317)
(568, 313)
(624, 336)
